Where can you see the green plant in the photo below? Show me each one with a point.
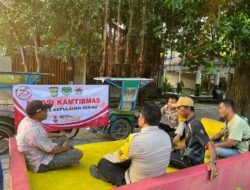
(166, 86)
(187, 92)
(179, 87)
(169, 88)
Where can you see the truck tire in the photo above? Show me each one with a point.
(120, 129)
(5, 134)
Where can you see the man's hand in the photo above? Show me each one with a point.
(176, 138)
(57, 134)
(58, 149)
(213, 170)
(66, 143)
(179, 147)
(218, 135)
(211, 166)
(226, 144)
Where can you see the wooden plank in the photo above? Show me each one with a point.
(49, 64)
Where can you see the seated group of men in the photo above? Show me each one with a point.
(145, 154)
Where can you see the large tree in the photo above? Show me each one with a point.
(212, 33)
(125, 38)
(67, 29)
(236, 30)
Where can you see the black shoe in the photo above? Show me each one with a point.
(94, 171)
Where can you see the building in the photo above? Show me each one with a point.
(176, 72)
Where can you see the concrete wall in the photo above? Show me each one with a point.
(233, 175)
(187, 78)
(5, 63)
(18, 172)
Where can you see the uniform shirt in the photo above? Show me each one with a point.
(149, 152)
(195, 140)
(180, 128)
(33, 142)
(238, 130)
(169, 116)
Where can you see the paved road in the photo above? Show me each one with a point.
(84, 136)
(207, 110)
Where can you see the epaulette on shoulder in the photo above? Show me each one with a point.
(135, 134)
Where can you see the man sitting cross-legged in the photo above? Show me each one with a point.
(193, 151)
(41, 154)
(236, 132)
(144, 155)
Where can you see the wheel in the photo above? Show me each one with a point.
(120, 129)
(71, 133)
(5, 134)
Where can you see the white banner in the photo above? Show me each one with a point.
(74, 106)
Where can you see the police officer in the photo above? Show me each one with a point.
(144, 155)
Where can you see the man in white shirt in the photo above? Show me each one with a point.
(144, 155)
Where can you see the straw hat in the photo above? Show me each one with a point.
(185, 101)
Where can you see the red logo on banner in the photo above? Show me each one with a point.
(23, 92)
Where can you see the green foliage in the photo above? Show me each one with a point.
(23, 21)
(204, 84)
(79, 27)
(179, 87)
(236, 31)
(205, 32)
(187, 92)
(166, 86)
(64, 28)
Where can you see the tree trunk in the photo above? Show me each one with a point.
(87, 60)
(111, 56)
(157, 61)
(104, 41)
(239, 88)
(142, 45)
(118, 35)
(70, 69)
(36, 43)
(23, 54)
(22, 50)
(129, 34)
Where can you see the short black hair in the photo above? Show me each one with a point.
(229, 103)
(151, 113)
(173, 96)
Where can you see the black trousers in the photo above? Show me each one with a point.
(180, 162)
(169, 130)
(114, 173)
